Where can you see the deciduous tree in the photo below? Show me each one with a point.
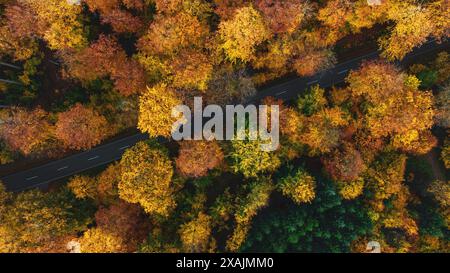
(226, 9)
(126, 221)
(351, 189)
(248, 207)
(283, 16)
(81, 127)
(195, 235)
(32, 219)
(27, 131)
(442, 116)
(120, 19)
(321, 131)
(59, 23)
(228, 87)
(344, 163)
(155, 110)
(83, 186)
(170, 33)
(299, 186)
(107, 184)
(97, 240)
(441, 192)
(315, 61)
(413, 24)
(191, 69)
(445, 154)
(106, 57)
(386, 175)
(393, 104)
(196, 158)
(147, 179)
(242, 34)
(248, 158)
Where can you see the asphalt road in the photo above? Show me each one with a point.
(41, 176)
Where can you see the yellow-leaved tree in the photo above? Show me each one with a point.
(196, 234)
(242, 34)
(97, 240)
(256, 199)
(413, 24)
(299, 186)
(146, 178)
(155, 110)
(393, 106)
(60, 22)
(248, 158)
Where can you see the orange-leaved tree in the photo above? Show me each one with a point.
(80, 127)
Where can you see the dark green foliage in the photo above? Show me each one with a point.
(431, 222)
(328, 224)
(428, 78)
(421, 168)
(426, 213)
(27, 83)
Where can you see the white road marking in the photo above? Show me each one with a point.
(342, 72)
(279, 93)
(92, 158)
(124, 147)
(62, 168)
(31, 178)
(312, 82)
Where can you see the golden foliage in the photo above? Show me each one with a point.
(442, 116)
(256, 199)
(386, 175)
(242, 34)
(155, 110)
(312, 62)
(237, 238)
(345, 163)
(107, 183)
(168, 34)
(395, 105)
(352, 189)
(96, 240)
(62, 28)
(191, 69)
(248, 207)
(196, 234)
(19, 48)
(300, 187)
(147, 179)
(248, 158)
(83, 186)
(322, 131)
(415, 142)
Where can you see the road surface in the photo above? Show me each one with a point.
(41, 176)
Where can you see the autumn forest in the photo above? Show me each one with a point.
(363, 159)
